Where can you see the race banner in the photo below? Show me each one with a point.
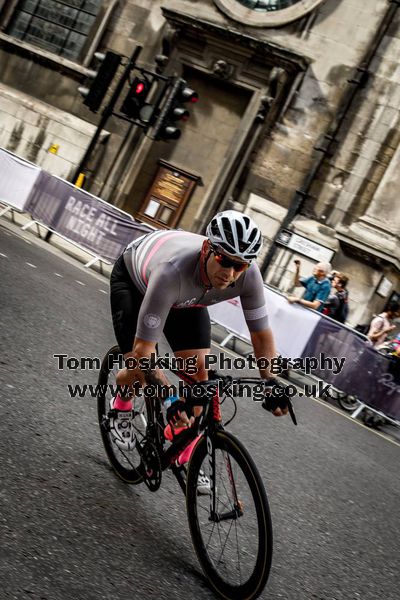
(336, 354)
(83, 218)
(366, 373)
(17, 180)
(292, 326)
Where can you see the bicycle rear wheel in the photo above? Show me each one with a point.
(234, 546)
(124, 462)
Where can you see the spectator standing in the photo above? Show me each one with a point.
(337, 304)
(318, 286)
(382, 324)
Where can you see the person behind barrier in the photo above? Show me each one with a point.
(382, 324)
(163, 283)
(318, 286)
(336, 305)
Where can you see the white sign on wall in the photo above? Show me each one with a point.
(384, 287)
(304, 246)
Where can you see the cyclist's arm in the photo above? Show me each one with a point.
(264, 347)
(255, 313)
(142, 349)
(161, 294)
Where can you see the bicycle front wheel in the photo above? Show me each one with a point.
(126, 463)
(231, 527)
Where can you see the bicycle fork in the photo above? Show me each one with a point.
(237, 510)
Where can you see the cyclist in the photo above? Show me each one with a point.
(164, 282)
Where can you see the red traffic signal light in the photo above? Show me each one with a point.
(139, 88)
(135, 99)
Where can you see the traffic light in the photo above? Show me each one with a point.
(135, 100)
(94, 94)
(173, 111)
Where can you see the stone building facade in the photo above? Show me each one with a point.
(297, 124)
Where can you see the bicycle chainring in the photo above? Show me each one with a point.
(150, 467)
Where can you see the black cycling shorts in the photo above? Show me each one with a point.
(185, 328)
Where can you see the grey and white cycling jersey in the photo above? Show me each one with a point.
(165, 267)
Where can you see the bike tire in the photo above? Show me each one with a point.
(125, 470)
(261, 554)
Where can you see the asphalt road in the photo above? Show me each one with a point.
(70, 529)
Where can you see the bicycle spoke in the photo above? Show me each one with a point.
(229, 541)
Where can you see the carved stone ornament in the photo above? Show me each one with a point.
(222, 69)
(266, 13)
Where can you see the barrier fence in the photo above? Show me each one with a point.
(301, 334)
(75, 215)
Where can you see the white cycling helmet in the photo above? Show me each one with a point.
(235, 233)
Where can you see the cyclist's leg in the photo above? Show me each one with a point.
(125, 305)
(188, 332)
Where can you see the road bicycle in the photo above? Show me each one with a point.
(347, 402)
(230, 526)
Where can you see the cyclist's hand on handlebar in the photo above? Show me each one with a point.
(277, 399)
(176, 414)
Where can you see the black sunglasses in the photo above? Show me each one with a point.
(228, 263)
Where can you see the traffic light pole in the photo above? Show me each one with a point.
(107, 112)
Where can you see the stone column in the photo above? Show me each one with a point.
(378, 230)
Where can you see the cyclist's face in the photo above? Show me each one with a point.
(223, 270)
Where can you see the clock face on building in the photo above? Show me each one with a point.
(266, 13)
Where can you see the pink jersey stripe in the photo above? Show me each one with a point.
(156, 246)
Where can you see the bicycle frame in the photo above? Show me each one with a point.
(209, 420)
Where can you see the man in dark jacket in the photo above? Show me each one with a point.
(337, 305)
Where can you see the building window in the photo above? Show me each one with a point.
(59, 26)
(267, 13)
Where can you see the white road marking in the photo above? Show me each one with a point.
(3, 255)
(103, 291)
(80, 282)
(58, 275)
(31, 265)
